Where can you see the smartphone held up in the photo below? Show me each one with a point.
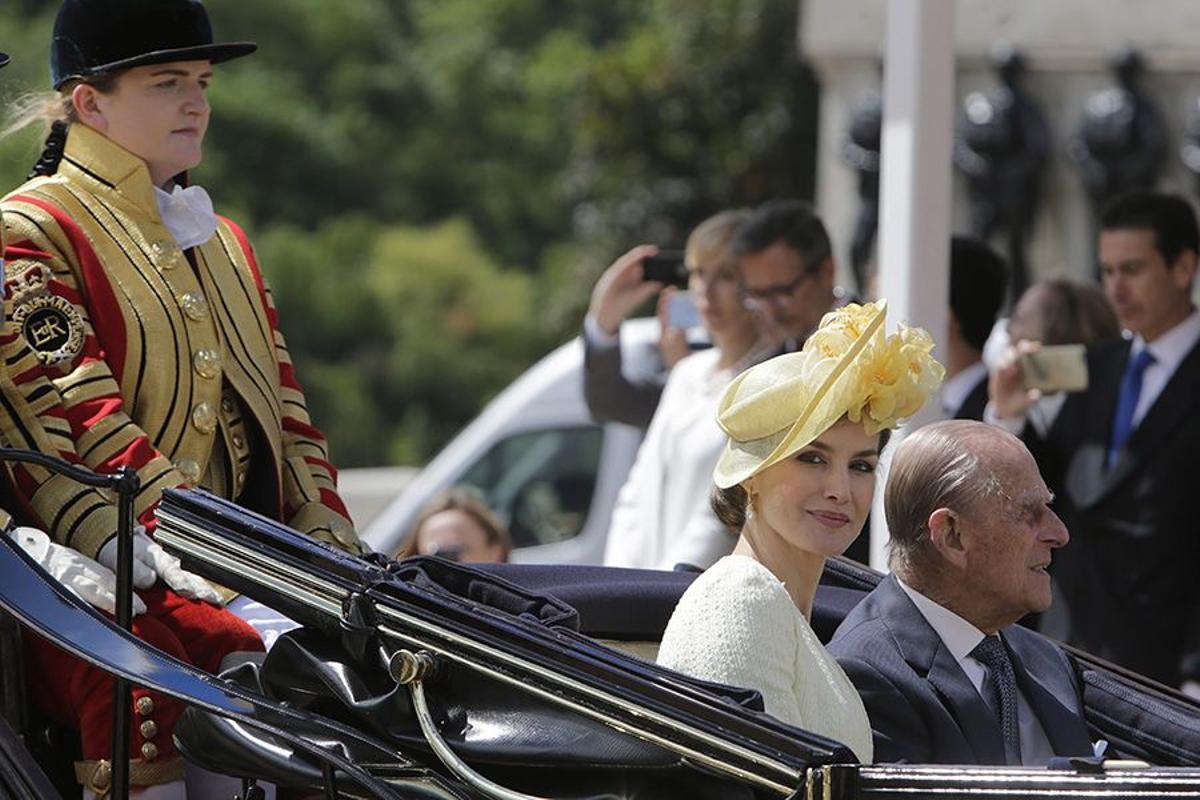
(1055, 368)
(666, 267)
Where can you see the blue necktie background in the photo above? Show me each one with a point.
(1127, 400)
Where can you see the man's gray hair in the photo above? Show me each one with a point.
(942, 465)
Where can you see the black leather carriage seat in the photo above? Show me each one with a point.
(633, 605)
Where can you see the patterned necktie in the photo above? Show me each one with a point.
(1000, 688)
(1127, 400)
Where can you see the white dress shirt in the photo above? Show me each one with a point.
(1168, 350)
(597, 336)
(960, 638)
(956, 389)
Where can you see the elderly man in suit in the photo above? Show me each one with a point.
(1122, 453)
(945, 673)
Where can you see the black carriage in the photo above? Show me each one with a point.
(429, 679)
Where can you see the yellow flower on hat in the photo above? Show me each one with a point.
(848, 368)
(896, 378)
(841, 328)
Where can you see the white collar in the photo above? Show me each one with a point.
(188, 214)
(956, 389)
(960, 636)
(1172, 347)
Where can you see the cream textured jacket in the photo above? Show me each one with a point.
(736, 624)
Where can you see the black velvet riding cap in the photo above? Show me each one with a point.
(3, 59)
(94, 37)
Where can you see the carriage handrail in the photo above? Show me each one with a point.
(126, 483)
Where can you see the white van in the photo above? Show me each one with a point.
(543, 465)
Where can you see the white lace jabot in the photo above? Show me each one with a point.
(188, 214)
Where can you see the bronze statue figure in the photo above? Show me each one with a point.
(1001, 146)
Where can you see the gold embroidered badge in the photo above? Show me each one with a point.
(28, 283)
(52, 326)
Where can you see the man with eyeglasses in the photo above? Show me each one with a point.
(787, 268)
(786, 264)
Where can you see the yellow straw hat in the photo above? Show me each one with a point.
(848, 368)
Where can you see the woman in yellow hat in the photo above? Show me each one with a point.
(795, 482)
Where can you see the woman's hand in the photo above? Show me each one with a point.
(1006, 387)
(621, 289)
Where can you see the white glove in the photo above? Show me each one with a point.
(151, 562)
(144, 574)
(188, 584)
(91, 582)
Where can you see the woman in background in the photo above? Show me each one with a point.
(662, 517)
(1063, 312)
(1058, 312)
(459, 526)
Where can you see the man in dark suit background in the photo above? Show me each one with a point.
(944, 672)
(1122, 454)
(978, 283)
(785, 260)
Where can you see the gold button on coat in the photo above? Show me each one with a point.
(166, 254)
(207, 363)
(149, 729)
(227, 405)
(194, 306)
(204, 418)
(145, 705)
(239, 441)
(149, 751)
(190, 471)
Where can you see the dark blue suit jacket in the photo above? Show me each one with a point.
(1128, 575)
(922, 706)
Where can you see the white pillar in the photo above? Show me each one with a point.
(914, 224)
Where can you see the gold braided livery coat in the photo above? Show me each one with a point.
(167, 362)
(31, 418)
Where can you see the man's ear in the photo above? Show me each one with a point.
(85, 99)
(1184, 268)
(946, 536)
(827, 272)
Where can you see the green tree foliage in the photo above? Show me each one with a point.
(433, 185)
(411, 318)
